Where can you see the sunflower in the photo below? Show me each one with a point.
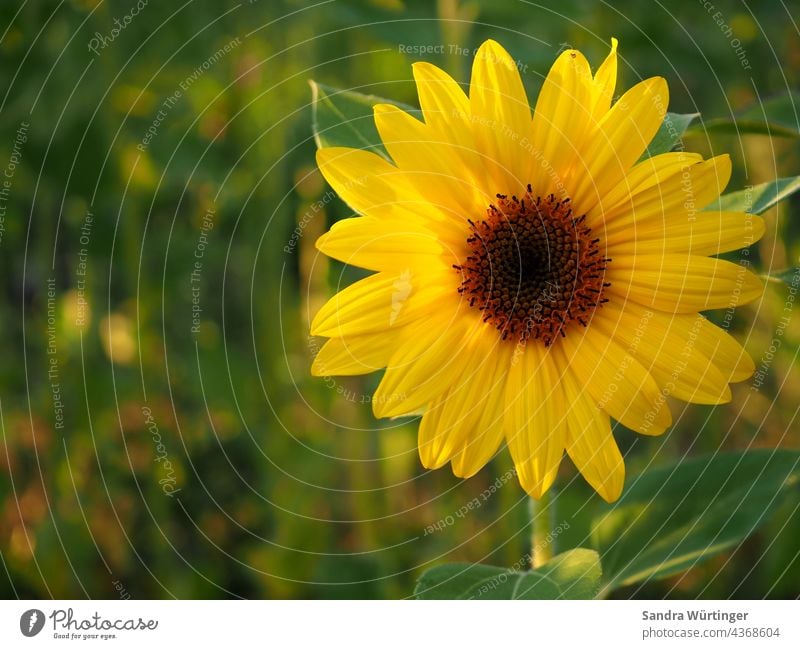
(535, 276)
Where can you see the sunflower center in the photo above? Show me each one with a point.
(533, 268)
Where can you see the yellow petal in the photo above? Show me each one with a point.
(721, 349)
(501, 118)
(379, 303)
(381, 244)
(625, 197)
(590, 444)
(479, 448)
(561, 121)
(368, 183)
(681, 283)
(618, 383)
(434, 166)
(444, 105)
(679, 331)
(671, 351)
(605, 80)
(535, 419)
(354, 355)
(686, 192)
(425, 364)
(454, 421)
(621, 138)
(704, 233)
(433, 435)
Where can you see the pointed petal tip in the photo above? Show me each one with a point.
(323, 155)
(379, 408)
(382, 109)
(610, 492)
(653, 89)
(723, 158)
(654, 429)
(491, 43)
(425, 70)
(659, 86)
(316, 367)
(323, 324)
(723, 161)
(319, 244)
(569, 55)
(390, 406)
(753, 289)
(662, 419)
(538, 489)
(725, 169)
(471, 459)
(492, 52)
(536, 483)
(461, 469)
(432, 463)
(722, 170)
(759, 227)
(611, 485)
(745, 369)
(431, 457)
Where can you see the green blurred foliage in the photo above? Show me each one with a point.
(288, 487)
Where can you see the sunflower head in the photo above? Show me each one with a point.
(533, 268)
(535, 276)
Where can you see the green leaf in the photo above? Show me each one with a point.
(759, 198)
(671, 518)
(570, 575)
(344, 118)
(669, 133)
(777, 116)
(779, 111)
(724, 126)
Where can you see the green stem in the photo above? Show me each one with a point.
(543, 516)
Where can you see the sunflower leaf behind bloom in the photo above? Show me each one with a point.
(673, 517)
(571, 575)
(555, 274)
(669, 133)
(775, 116)
(758, 198)
(344, 118)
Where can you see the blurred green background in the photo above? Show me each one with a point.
(145, 456)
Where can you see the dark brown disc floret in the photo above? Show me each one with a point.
(533, 268)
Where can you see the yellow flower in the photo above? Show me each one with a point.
(534, 278)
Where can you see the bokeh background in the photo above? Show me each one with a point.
(149, 450)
